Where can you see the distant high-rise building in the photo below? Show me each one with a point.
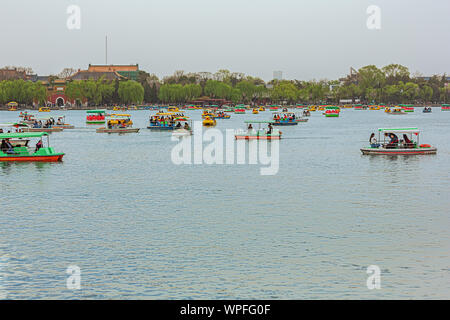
(278, 75)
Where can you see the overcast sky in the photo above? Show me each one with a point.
(305, 39)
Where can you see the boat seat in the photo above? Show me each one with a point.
(21, 150)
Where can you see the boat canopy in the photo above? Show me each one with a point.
(120, 115)
(399, 130)
(12, 104)
(96, 111)
(23, 135)
(164, 114)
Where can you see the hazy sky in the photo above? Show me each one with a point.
(305, 39)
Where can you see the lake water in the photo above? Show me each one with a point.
(139, 226)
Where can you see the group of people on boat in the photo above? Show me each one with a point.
(119, 123)
(269, 128)
(7, 147)
(48, 123)
(286, 117)
(393, 143)
(167, 121)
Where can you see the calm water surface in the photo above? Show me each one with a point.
(139, 226)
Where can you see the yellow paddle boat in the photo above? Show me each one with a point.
(209, 122)
(44, 109)
(255, 111)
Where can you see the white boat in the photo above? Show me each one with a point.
(409, 145)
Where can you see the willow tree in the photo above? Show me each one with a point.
(131, 92)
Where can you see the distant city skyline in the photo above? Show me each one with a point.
(306, 39)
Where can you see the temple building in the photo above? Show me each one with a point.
(56, 87)
(109, 72)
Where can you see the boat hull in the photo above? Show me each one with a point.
(47, 158)
(48, 130)
(285, 123)
(126, 130)
(382, 151)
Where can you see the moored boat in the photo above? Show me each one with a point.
(427, 110)
(23, 153)
(408, 145)
(445, 107)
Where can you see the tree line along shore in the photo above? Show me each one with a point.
(392, 84)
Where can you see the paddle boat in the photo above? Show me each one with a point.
(258, 134)
(274, 107)
(445, 107)
(239, 111)
(255, 111)
(209, 122)
(208, 113)
(222, 115)
(287, 119)
(14, 128)
(312, 108)
(407, 107)
(182, 128)
(96, 117)
(44, 109)
(12, 106)
(262, 109)
(395, 111)
(427, 110)
(409, 145)
(360, 107)
(374, 107)
(332, 112)
(173, 109)
(119, 123)
(28, 118)
(25, 154)
(162, 121)
(44, 124)
(61, 123)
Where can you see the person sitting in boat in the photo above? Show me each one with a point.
(250, 127)
(269, 129)
(59, 121)
(178, 126)
(393, 143)
(186, 126)
(373, 141)
(38, 146)
(407, 143)
(7, 147)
